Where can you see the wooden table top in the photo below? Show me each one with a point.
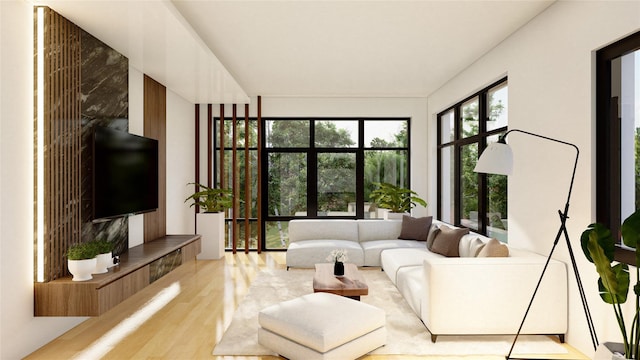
(352, 284)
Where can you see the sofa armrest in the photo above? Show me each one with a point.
(491, 295)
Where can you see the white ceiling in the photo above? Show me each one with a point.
(223, 50)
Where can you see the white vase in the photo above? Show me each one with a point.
(82, 269)
(103, 262)
(211, 227)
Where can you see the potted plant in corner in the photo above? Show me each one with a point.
(81, 261)
(396, 199)
(210, 220)
(598, 246)
(104, 249)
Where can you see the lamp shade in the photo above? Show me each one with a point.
(497, 158)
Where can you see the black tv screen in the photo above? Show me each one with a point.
(125, 173)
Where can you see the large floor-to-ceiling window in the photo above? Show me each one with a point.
(618, 135)
(476, 201)
(318, 168)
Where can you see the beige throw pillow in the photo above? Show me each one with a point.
(447, 241)
(494, 248)
(415, 228)
(475, 246)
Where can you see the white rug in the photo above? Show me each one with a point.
(406, 335)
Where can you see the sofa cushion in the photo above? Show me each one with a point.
(410, 283)
(393, 260)
(305, 254)
(372, 230)
(494, 248)
(415, 228)
(447, 241)
(300, 230)
(372, 249)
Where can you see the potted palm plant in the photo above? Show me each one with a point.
(81, 261)
(210, 222)
(598, 246)
(396, 199)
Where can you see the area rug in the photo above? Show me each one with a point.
(406, 335)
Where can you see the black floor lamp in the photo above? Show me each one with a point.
(497, 158)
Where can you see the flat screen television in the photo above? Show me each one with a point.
(125, 174)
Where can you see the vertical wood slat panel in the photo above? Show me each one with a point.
(155, 223)
(222, 157)
(234, 185)
(222, 144)
(209, 145)
(62, 141)
(197, 159)
(247, 181)
(259, 165)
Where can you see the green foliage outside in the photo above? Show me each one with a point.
(496, 184)
(287, 170)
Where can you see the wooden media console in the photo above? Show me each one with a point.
(139, 267)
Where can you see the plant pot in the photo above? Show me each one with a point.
(394, 216)
(338, 268)
(610, 351)
(103, 262)
(211, 227)
(82, 269)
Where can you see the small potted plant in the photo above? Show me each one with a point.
(210, 222)
(338, 257)
(104, 249)
(598, 246)
(396, 199)
(81, 261)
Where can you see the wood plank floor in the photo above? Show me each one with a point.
(183, 315)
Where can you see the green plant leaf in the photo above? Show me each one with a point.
(616, 292)
(614, 281)
(395, 198)
(630, 231)
(603, 239)
(211, 199)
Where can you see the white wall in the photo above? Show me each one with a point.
(20, 332)
(136, 126)
(180, 164)
(414, 108)
(550, 65)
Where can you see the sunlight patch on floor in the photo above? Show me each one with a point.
(111, 339)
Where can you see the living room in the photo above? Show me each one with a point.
(549, 62)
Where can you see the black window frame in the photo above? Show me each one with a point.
(312, 152)
(608, 143)
(457, 143)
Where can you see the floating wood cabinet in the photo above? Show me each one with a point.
(139, 267)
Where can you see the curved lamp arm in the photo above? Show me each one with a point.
(497, 158)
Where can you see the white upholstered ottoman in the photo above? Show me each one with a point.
(322, 326)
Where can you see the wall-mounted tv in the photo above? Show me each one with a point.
(125, 173)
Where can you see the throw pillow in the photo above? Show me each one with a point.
(447, 241)
(475, 246)
(415, 228)
(432, 235)
(494, 248)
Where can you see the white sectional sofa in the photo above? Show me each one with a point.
(311, 241)
(463, 295)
